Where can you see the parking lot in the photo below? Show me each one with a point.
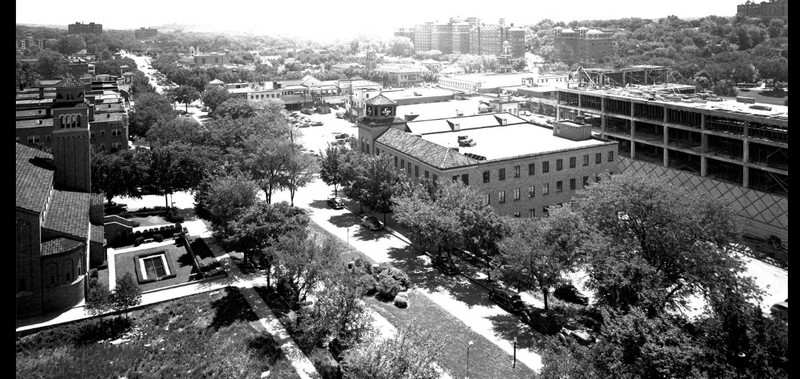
(316, 138)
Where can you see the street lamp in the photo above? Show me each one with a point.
(468, 345)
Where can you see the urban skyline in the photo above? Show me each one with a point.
(320, 21)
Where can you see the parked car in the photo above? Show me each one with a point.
(781, 310)
(583, 336)
(571, 294)
(372, 223)
(305, 111)
(342, 136)
(316, 123)
(336, 203)
(445, 265)
(507, 299)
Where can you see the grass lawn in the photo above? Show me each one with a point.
(206, 335)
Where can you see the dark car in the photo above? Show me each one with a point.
(336, 203)
(445, 265)
(372, 223)
(781, 310)
(571, 294)
(507, 299)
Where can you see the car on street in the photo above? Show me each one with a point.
(316, 123)
(507, 299)
(372, 223)
(336, 202)
(342, 136)
(445, 265)
(571, 294)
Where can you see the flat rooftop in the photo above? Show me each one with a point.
(34, 123)
(509, 141)
(430, 111)
(410, 93)
(492, 80)
(661, 96)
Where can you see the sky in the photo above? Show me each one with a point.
(326, 20)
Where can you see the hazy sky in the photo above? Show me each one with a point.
(326, 20)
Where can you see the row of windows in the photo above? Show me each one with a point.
(501, 196)
(114, 133)
(501, 173)
(53, 277)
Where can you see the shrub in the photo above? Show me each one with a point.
(398, 275)
(158, 238)
(387, 288)
(401, 300)
(138, 241)
(368, 284)
(93, 273)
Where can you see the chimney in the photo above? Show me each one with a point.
(456, 126)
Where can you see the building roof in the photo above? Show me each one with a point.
(69, 81)
(442, 109)
(427, 152)
(46, 83)
(34, 123)
(216, 81)
(60, 245)
(98, 233)
(40, 112)
(34, 178)
(424, 127)
(107, 117)
(380, 100)
(69, 213)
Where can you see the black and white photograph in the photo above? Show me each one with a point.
(402, 190)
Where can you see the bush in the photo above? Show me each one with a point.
(93, 273)
(397, 275)
(401, 300)
(387, 288)
(368, 284)
(158, 238)
(138, 241)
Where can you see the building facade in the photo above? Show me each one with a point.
(738, 144)
(583, 45)
(145, 33)
(90, 28)
(519, 168)
(772, 8)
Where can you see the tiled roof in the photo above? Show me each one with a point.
(34, 182)
(69, 213)
(46, 83)
(380, 100)
(69, 81)
(60, 245)
(34, 123)
(428, 152)
(97, 233)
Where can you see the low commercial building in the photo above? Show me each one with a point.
(520, 168)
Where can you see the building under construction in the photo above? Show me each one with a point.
(734, 148)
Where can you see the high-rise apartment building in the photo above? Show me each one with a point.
(78, 28)
(773, 8)
(146, 33)
(583, 45)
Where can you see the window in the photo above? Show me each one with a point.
(455, 178)
(465, 178)
(486, 198)
(516, 214)
(154, 266)
(116, 132)
(486, 176)
(416, 171)
(52, 273)
(516, 171)
(102, 133)
(501, 197)
(532, 212)
(102, 146)
(409, 168)
(585, 181)
(501, 174)
(531, 168)
(33, 140)
(546, 189)
(559, 164)
(544, 211)
(516, 194)
(559, 186)
(435, 178)
(598, 158)
(586, 159)
(572, 184)
(545, 167)
(427, 174)
(610, 156)
(116, 145)
(531, 191)
(572, 162)
(403, 164)
(395, 162)
(91, 135)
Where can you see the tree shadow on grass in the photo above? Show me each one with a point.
(319, 204)
(264, 346)
(231, 308)
(424, 275)
(347, 220)
(508, 326)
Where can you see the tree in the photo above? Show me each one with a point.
(332, 166)
(668, 243)
(184, 95)
(51, 64)
(213, 96)
(176, 167)
(149, 109)
(70, 44)
(301, 262)
(119, 173)
(300, 171)
(401, 47)
(371, 180)
(538, 253)
(126, 294)
(268, 161)
(428, 221)
(235, 108)
(178, 129)
(99, 299)
(222, 198)
(408, 354)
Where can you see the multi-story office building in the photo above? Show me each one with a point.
(461, 34)
(582, 46)
(516, 38)
(442, 38)
(520, 168)
(145, 33)
(78, 28)
(467, 36)
(422, 36)
(405, 32)
(773, 8)
(736, 149)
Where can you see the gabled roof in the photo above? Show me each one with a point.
(380, 100)
(34, 178)
(69, 81)
(69, 213)
(428, 152)
(59, 245)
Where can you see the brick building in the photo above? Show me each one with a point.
(145, 33)
(773, 8)
(583, 45)
(90, 28)
(520, 168)
(468, 36)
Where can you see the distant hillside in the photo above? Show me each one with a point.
(44, 26)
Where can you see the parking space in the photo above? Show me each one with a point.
(316, 138)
